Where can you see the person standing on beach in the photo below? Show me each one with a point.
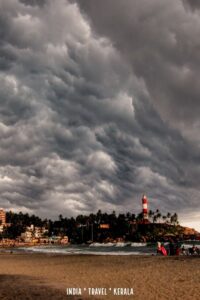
(159, 248)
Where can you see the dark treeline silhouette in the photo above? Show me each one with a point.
(99, 227)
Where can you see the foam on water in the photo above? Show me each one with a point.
(187, 246)
(121, 248)
(119, 244)
(101, 245)
(88, 250)
(138, 244)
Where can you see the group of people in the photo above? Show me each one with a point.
(194, 250)
(175, 249)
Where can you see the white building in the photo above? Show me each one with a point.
(33, 232)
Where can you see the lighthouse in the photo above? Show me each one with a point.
(145, 208)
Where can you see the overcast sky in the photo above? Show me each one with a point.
(100, 103)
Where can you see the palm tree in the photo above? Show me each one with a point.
(99, 216)
(159, 216)
(168, 217)
(154, 218)
(128, 216)
(139, 217)
(151, 214)
(174, 219)
(133, 217)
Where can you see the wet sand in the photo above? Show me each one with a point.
(39, 276)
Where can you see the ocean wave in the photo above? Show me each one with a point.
(138, 244)
(102, 245)
(79, 251)
(119, 244)
(122, 244)
(187, 246)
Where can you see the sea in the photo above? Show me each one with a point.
(98, 248)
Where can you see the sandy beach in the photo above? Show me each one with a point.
(39, 276)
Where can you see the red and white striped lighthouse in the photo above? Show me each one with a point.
(145, 207)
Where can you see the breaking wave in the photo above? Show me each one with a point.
(93, 249)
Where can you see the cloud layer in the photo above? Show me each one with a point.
(159, 40)
(99, 103)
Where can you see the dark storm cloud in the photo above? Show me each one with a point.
(160, 40)
(33, 2)
(52, 101)
(82, 126)
(193, 4)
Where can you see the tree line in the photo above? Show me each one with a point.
(85, 228)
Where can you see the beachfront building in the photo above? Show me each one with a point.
(33, 233)
(64, 240)
(2, 219)
(27, 236)
(2, 216)
(40, 232)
